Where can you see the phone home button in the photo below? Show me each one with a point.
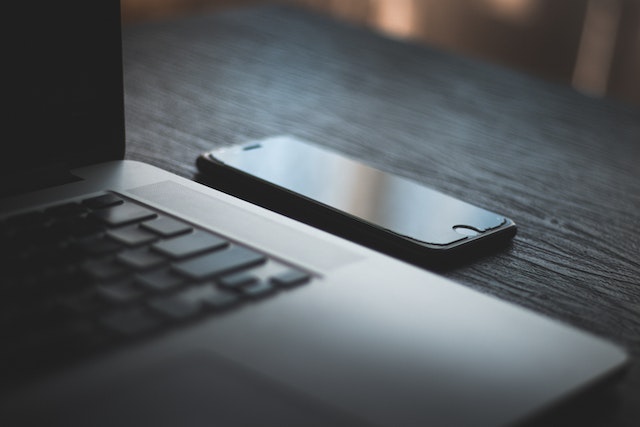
(466, 230)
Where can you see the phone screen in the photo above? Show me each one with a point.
(387, 201)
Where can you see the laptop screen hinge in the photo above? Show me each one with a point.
(36, 179)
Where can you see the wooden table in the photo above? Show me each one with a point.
(564, 166)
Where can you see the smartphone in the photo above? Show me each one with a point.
(340, 195)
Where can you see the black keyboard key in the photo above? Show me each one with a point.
(290, 278)
(190, 244)
(121, 292)
(166, 227)
(238, 280)
(159, 280)
(96, 245)
(210, 297)
(218, 263)
(257, 290)
(56, 231)
(83, 227)
(130, 322)
(65, 210)
(104, 269)
(131, 236)
(103, 201)
(140, 259)
(123, 214)
(176, 307)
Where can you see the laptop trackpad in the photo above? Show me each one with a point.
(199, 389)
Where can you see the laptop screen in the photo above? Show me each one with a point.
(65, 86)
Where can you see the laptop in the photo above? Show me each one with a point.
(134, 297)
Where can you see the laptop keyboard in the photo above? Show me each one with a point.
(94, 273)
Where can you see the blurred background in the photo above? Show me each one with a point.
(592, 45)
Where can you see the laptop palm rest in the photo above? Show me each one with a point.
(194, 389)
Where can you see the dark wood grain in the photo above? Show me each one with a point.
(564, 166)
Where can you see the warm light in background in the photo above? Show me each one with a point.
(396, 17)
(597, 46)
(515, 11)
(593, 45)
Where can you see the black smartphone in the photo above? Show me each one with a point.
(329, 191)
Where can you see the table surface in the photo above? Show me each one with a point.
(564, 166)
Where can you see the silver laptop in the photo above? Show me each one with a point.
(133, 297)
